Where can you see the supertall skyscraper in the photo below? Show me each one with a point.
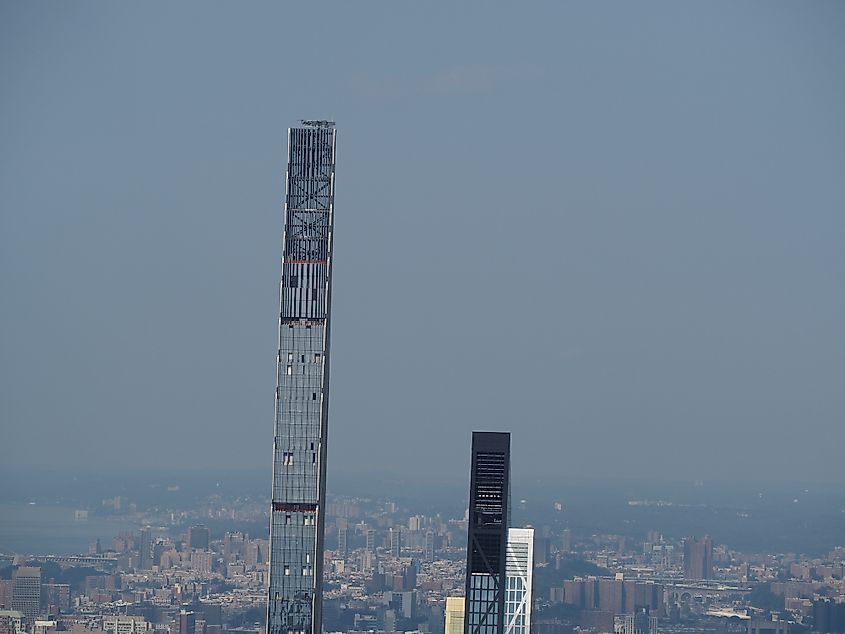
(487, 533)
(297, 521)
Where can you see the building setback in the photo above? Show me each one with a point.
(297, 520)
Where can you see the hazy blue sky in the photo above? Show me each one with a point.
(615, 229)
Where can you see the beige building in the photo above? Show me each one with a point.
(126, 625)
(454, 615)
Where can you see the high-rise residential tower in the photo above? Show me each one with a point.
(566, 540)
(297, 521)
(698, 558)
(145, 549)
(342, 541)
(429, 545)
(199, 537)
(487, 533)
(519, 570)
(26, 591)
(396, 542)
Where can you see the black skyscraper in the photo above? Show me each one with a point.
(487, 533)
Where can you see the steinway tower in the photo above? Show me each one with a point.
(297, 518)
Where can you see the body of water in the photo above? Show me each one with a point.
(53, 530)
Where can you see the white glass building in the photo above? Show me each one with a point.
(519, 574)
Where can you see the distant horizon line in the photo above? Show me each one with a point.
(159, 474)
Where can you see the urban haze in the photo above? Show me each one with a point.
(615, 231)
(582, 269)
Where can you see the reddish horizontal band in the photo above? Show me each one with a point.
(306, 261)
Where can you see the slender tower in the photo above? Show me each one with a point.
(487, 533)
(297, 518)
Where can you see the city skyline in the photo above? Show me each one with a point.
(391, 569)
(205, 581)
(615, 231)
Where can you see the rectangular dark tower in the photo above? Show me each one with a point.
(297, 518)
(487, 533)
(145, 549)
